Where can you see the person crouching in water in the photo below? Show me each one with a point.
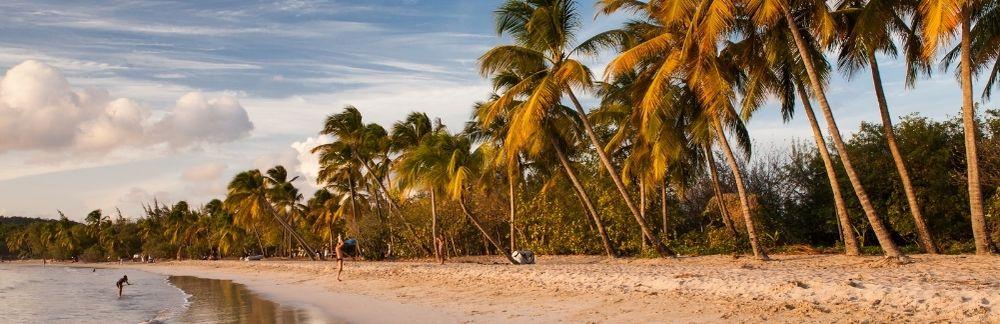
(121, 283)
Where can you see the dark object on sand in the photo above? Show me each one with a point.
(523, 257)
(350, 246)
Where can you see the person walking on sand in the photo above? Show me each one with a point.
(339, 250)
(121, 283)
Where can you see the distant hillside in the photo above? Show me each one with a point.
(18, 221)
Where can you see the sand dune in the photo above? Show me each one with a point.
(793, 288)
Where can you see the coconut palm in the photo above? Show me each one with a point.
(814, 19)
(868, 28)
(556, 135)
(424, 167)
(543, 33)
(681, 46)
(462, 167)
(778, 73)
(510, 164)
(941, 21)
(248, 200)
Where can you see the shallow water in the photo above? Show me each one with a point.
(223, 301)
(58, 294)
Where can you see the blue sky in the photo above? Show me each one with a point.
(264, 73)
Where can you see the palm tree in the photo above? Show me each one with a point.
(780, 74)
(340, 160)
(867, 28)
(543, 32)
(462, 168)
(555, 134)
(818, 22)
(248, 201)
(941, 20)
(679, 51)
(492, 135)
(285, 197)
(424, 167)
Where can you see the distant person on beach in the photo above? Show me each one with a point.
(121, 283)
(439, 247)
(340, 256)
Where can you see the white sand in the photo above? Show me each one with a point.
(793, 288)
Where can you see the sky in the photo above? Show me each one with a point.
(112, 104)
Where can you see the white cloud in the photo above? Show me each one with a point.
(308, 163)
(204, 172)
(196, 119)
(40, 111)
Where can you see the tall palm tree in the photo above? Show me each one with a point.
(942, 19)
(865, 29)
(543, 33)
(556, 134)
(779, 73)
(463, 167)
(681, 46)
(493, 135)
(248, 201)
(817, 21)
(340, 160)
(424, 167)
(285, 197)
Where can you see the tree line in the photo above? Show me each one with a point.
(662, 163)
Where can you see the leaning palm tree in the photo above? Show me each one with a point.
(462, 167)
(493, 135)
(778, 73)
(248, 201)
(680, 51)
(942, 19)
(556, 134)
(868, 28)
(816, 20)
(423, 167)
(543, 33)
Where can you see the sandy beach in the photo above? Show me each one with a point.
(792, 288)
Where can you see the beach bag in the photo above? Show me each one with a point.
(350, 246)
(523, 257)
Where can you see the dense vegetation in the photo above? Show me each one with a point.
(662, 164)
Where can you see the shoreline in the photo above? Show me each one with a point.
(792, 288)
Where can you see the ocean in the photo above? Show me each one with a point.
(60, 294)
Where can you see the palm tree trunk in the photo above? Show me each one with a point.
(664, 229)
(354, 205)
(971, 152)
(309, 249)
(475, 222)
(923, 233)
(717, 187)
(642, 207)
(599, 148)
(881, 232)
(434, 225)
(513, 209)
(758, 251)
(393, 206)
(571, 174)
(843, 219)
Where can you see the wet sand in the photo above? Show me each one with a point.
(792, 288)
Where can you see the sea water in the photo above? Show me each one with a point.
(60, 294)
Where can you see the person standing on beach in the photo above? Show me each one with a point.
(121, 283)
(340, 256)
(439, 247)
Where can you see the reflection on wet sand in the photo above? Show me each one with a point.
(223, 301)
